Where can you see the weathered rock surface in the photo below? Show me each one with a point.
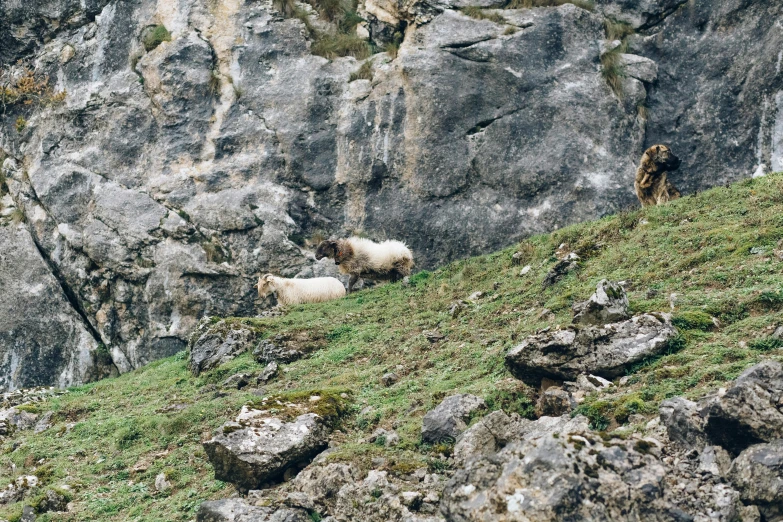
(609, 304)
(218, 345)
(683, 422)
(238, 510)
(606, 351)
(758, 475)
(576, 477)
(751, 410)
(43, 338)
(259, 448)
(449, 418)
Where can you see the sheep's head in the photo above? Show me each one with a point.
(265, 285)
(327, 248)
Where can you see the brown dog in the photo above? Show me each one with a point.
(652, 187)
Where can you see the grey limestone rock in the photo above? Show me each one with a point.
(758, 475)
(217, 346)
(609, 304)
(259, 448)
(606, 351)
(448, 419)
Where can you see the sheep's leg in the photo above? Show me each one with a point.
(352, 281)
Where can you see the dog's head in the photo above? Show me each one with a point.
(327, 248)
(663, 158)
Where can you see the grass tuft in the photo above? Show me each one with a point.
(154, 35)
(527, 4)
(364, 72)
(335, 45)
(481, 14)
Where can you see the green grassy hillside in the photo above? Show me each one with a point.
(718, 251)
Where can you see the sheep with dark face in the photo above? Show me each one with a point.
(300, 291)
(359, 257)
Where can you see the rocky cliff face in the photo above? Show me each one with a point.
(184, 161)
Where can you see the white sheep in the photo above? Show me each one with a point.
(359, 257)
(300, 291)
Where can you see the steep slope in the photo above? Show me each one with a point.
(718, 254)
(168, 151)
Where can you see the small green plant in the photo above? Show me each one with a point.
(510, 30)
(693, 320)
(332, 9)
(286, 7)
(480, 14)
(766, 344)
(20, 124)
(364, 72)
(526, 4)
(616, 30)
(335, 45)
(214, 83)
(153, 36)
(613, 70)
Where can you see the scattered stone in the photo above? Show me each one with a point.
(52, 500)
(516, 259)
(322, 482)
(555, 402)
(288, 347)
(456, 309)
(411, 499)
(268, 373)
(218, 345)
(237, 381)
(389, 379)
(606, 351)
(449, 418)
(384, 437)
(475, 296)
(433, 336)
(44, 422)
(714, 460)
(267, 352)
(28, 514)
(488, 435)
(559, 271)
(526, 270)
(609, 304)
(778, 333)
(758, 475)
(599, 382)
(683, 422)
(15, 491)
(161, 484)
(259, 448)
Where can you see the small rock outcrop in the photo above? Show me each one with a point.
(758, 475)
(568, 477)
(218, 345)
(609, 304)
(259, 447)
(449, 418)
(607, 351)
(748, 413)
(239, 510)
(750, 410)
